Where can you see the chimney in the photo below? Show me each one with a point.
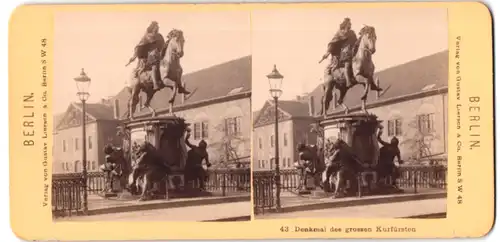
(116, 109)
(377, 82)
(311, 106)
(183, 96)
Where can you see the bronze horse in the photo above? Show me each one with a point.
(363, 70)
(170, 52)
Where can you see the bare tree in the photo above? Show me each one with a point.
(227, 145)
(418, 141)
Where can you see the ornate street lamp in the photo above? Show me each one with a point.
(82, 85)
(275, 81)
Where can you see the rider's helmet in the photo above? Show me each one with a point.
(345, 23)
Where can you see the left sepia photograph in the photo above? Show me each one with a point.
(152, 116)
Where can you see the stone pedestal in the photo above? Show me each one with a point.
(359, 131)
(167, 135)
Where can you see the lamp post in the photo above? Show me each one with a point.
(83, 84)
(275, 80)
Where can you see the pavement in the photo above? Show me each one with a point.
(98, 205)
(291, 202)
(430, 208)
(237, 211)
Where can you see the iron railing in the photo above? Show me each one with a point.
(95, 180)
(67, 189)
(228, 181)
(411, 177)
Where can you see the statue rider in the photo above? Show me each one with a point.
(388, 152)
(341, 48)
(195, 157)
(148, 52)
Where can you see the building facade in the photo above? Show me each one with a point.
(413, 108)
(101, 128)
(293, 128)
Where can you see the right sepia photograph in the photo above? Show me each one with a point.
(350, 113)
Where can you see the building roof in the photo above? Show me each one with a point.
(423, 74)
(57, 119)
(225, 79)
(255, 114)
(98, 110)
(294, 108)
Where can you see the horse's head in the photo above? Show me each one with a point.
(175, 43)
(368, 39)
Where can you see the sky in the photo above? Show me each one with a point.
(103, 42)
(296, 39)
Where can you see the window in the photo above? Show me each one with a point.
(425, 123)
(394, 127)
(285, 140)
(260, 143)
(63, 166)
(289, 162)
(232, 126)
(272, 140)
(64, 147)
(94, 165)
(140, 103)
(201, 130)
(284, 162)
(197, 131)
(204, 129)
(90, 143)
(76, 143)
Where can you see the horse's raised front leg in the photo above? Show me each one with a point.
(363, 106)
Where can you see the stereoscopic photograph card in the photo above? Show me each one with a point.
(251, 121)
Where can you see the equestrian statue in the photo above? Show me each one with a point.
(351, 64)
(151, 51)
